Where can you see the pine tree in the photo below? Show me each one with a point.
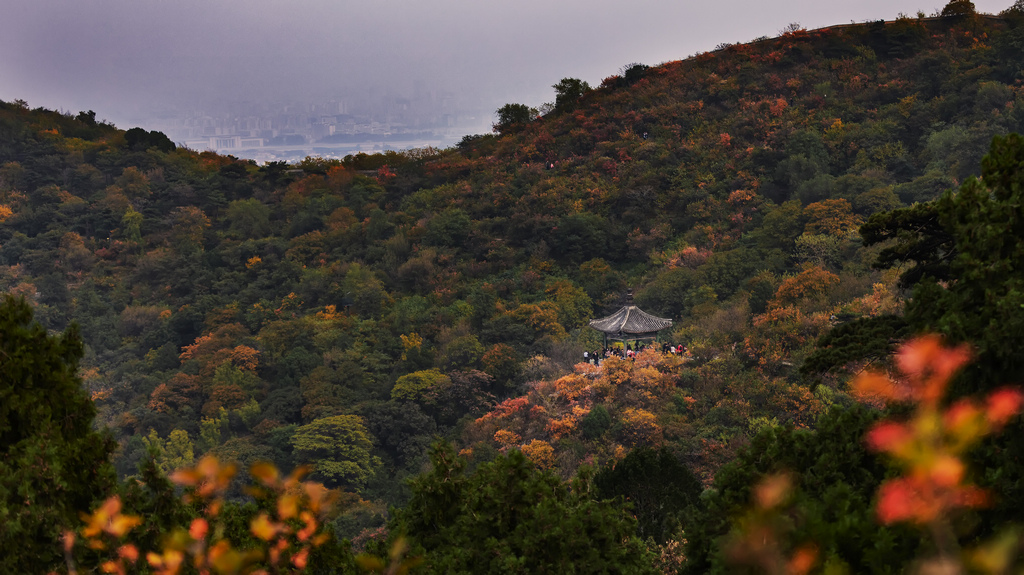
(53, 464)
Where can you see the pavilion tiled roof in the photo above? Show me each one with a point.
(630, 319)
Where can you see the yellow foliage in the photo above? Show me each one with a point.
(568, 424)
(650, 357)
(330, 312)
(540, 453)
(617, 371)
(572, 387)
(507, 438)
(410, 342)
(883, 299)
(640, 426)
(650, 382)
(542, 318)
(558, 427)
(587, 369)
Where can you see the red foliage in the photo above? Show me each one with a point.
(929, 446)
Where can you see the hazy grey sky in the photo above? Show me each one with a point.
(126, 58)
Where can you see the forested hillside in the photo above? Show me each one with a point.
(345, 314)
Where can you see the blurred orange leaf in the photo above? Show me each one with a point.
(803, 560)
(876, 385)
(773, 490)
(889, 436)
(948, 471)
(263, 528)
(266, 473)
(129, 552)
(299, 559)
(1003, 404)
(287, 506)
(198, 529)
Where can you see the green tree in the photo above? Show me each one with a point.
(872, 338)
(657, 485)
(633, 73)
(781, 226)
(366, 290)
(53, 464)
(248, 218)
(596, 422)
(338, 447)
(173, 453)
(510, 517)
(403, 432)
(512, 117)
(212, 430)
(131, 227)
(188, 229)
(959, 8)
(463, 352)
(575, 308)
(449, 228)
(134, 184)
(413, 386)
(568, 92)
(88, 118)
(983, 306)
(923, 247)
(139, 140)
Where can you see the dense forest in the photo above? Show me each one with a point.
(799, 206)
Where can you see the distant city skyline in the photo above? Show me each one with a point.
(151, 63)
(292, 130)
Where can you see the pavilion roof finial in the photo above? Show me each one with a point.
(629, 297)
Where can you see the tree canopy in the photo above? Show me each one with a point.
(508, 516)
(338, 447)
(513, 116)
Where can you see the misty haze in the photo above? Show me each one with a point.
(280, 80)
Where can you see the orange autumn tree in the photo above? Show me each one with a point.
(778, 333)
(552, 413)
(831, 217)
(227, 370)
(813, 281)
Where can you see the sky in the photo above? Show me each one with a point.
(130, 60)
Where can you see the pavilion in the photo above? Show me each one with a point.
(630, 323)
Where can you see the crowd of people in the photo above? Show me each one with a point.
(630, 353)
